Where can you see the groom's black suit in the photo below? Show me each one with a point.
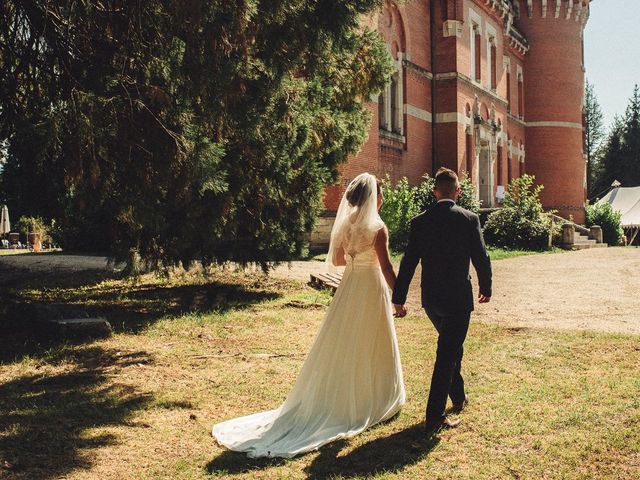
(445, 238)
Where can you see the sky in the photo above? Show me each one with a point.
(612, 53)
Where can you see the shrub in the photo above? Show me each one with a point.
(608, 219)
(521, 223)
(28, 225)
(400, 205)
(467, 198)
(402, 202)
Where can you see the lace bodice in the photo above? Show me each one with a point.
(359, 248)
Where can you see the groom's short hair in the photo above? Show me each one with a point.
(446, 181)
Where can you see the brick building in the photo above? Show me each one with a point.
(488, 88)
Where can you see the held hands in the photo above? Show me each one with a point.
(483, 298)
(400, 311)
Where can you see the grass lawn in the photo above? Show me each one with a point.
(193, 351)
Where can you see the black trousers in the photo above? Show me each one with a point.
(446, 379)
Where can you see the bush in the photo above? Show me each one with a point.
(402, 202)
(28, 225)
(400, 205)
(608, 219)
(521, 223)
(467, 198)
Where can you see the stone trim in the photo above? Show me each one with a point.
(417, 113)
(451, 117)
(452, 28)
(392, 136)
(469, 81)
(515, 119)
(417, 69)
(575, 125)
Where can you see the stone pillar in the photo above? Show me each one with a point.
(568, 233)
(595, 233)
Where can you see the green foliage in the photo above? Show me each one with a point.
(400, 205)
(467, 198)
(198, 131)
(521, 223)
(620, 155)
(402, 202)
(603, 215)
(28, 225)
(594, 133)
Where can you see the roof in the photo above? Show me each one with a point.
(626, 200)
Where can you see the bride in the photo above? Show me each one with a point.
(352, 378)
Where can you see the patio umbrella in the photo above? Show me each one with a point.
(5, 226)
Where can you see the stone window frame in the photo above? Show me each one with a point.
(506, 66)
(492, 40)
(387, 122)
(475, 27)
(520, 90)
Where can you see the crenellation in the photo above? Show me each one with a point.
(569, 9)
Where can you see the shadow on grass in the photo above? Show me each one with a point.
(25, 314)
(389, 454)
(47, 420)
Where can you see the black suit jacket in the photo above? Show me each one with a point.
(446, 238)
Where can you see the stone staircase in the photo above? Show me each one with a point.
(577, 237)
(582, 241)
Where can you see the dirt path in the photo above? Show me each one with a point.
(595, 289)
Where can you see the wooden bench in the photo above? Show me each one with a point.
(325, 280)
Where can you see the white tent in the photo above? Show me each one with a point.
(626, 200)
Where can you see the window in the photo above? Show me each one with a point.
(509, 174)
(469, 152)
(520, 97)
(478, 64)
(396, 105)
(391, 102)
(509, 89)
(493, 64)
(382, 114)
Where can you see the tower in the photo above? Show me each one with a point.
(553, 100)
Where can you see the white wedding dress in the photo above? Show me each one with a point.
(351, 379)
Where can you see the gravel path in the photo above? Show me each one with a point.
(595, 289)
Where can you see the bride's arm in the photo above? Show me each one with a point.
(382, 250)
(339, 259)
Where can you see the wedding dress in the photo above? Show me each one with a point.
(351, 378)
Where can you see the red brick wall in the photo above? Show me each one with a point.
(553, 89)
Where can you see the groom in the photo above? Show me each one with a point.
(445, 238)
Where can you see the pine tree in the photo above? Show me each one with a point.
(594, 134)
(630, 154)
(610, 167)
(190, 130)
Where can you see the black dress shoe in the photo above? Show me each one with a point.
(431, 428)
(458, 407)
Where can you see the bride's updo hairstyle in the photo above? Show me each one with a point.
(359, 191)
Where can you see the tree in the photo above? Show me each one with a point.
(620, 158)
(631, 141)
(197, 130)
(594, 133)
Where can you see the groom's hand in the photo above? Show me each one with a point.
(483, 298)
(401, 311)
